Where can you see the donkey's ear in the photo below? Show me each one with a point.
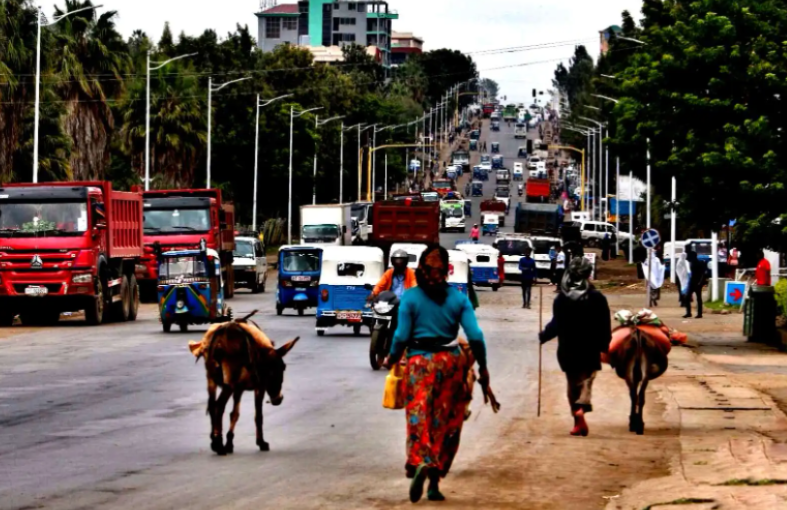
(284, 349)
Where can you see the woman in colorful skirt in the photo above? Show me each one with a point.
(437, 390)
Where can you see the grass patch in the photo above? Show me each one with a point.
(681, 501)
(720, 305)
(752, 483)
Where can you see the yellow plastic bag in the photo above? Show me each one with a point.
(395, 388)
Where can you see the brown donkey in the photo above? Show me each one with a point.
(638, 360)
(240, 357)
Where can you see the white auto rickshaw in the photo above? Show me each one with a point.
(483, 265)
(458, 270)
(413, 251)
(346, 271)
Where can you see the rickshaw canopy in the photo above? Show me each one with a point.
(351, 265)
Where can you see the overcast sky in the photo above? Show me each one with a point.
(466, 25)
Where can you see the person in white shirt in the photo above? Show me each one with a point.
(560, 266)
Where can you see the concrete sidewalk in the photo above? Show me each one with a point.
(719, 395)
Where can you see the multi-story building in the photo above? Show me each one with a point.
(327, 23)
(404, 44)
(605, 35)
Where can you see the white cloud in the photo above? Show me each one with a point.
(466, 25)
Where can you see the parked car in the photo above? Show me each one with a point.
(592, 232)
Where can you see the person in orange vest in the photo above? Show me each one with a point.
(397, 279)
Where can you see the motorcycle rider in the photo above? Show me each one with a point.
(397, 279)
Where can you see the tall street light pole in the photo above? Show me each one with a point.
(211, 90)
(293, 116)
(600, 157)
(341, 158)
(360, 160)
(318, 123)
(40, 23)
(158, 65)
(257, 155)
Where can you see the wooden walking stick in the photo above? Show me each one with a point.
(540, 345)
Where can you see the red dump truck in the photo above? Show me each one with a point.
(537, 190)
(408, 221)
(66, 247)
(178, 220)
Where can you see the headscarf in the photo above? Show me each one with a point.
(575, 284)
(432, 273)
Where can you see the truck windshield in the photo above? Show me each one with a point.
(358, 212)
(176, 221)
(182, 267)
(318, 233)
(510, 247)
(43, 218)
(301, 261)
(243, 249)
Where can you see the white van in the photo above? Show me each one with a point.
(249, 264)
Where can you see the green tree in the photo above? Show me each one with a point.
(90, 60)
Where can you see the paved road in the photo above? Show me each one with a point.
(509, 149)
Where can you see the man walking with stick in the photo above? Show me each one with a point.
(581, 323)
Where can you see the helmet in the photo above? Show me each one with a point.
(400, 254)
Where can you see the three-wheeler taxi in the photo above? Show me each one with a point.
(348, 272)
(190, 288)
(483, 264)
(490, 224)
(477, 188)
(458, 271)
(299, 277)
(495, 147)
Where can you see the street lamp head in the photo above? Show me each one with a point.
(303, 112)
(216, 88)
(266, 102)
(606, 98)
(323, 122)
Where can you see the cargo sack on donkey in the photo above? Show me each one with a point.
(649, 324)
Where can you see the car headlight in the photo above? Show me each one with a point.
(82, 278)
(180, 303)
(383, 307)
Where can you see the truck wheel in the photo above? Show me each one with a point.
(94, 314)
(134, 309)
(255, 287)
(123, 307)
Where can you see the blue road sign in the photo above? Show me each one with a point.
(734, 292)
(651, 238)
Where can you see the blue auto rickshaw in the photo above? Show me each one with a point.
(490, 224)
(451, 173)
(484, 268)
(497, 162)
(468, 208)
(190, 288)
(495, 147)
(473, 145)
(348, 273)
(299, 278)
(477, 188)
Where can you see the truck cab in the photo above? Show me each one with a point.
(177, 220)
(67, 247)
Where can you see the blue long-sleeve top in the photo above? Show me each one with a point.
(527, 266)
(420, 317)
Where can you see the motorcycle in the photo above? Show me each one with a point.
(385, 307)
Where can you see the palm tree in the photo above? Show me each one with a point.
(17, 51)
(90, 60)
(177, 125)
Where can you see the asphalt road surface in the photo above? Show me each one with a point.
(114, 416)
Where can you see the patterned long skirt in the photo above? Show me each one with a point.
(437, 396)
